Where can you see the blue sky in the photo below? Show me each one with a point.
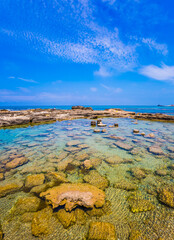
(88, 52)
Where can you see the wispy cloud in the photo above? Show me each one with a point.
(152, 44)
(57, 82)
(27, 80)
(23, 79)
(23, 89)
(93, 89)
(103, 72)
(163, 73)
(111, 89)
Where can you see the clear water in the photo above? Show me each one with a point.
(134, 108)
(42, 145)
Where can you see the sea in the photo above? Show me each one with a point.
(133, 169)
(134, 108)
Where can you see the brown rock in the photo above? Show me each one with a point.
(10, 188)
(136, 131)
(41, 222)
(125, 185)
(138, 173)
(2, 176)
(114, 160)
(34, 180)
(25, 204)
(101, 231)
(166, 195)
(73, 143)
(94, 178)
(66, 218)
(156, 150)
(16, 163)
(56, 177)
(123, 145)
(72, 195)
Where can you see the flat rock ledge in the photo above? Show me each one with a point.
(73, 195)
(37, 116)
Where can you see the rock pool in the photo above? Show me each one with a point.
(117, 181)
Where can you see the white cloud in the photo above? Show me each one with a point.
(23, 89)
(162, 73)
(103, 72)
(152, 44)
(27, 80)
(93, 89)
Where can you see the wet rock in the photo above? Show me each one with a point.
(34, 180)
(93, 123)
(96, 161)
(41, 222)
(73, 143)
(94, 178)
(27, 217)
(56, 177)
(117, 137)
(16, 163)
(114, 160)
(101, 231)
(156, 150)
(143, 134)
(83, 146)
(72, 195)
(96, 131)
(170, 149)
(66, 218)
(10, 188)
(138, 173)
(166, 195)
(140, 205)
(125, 185)
(123, 145)
(150, 135)
(115, 124)
(161, 172)
(136, 131)
(82, 157)
(72, 149)
(87, 164)
(2, 176)
(101, 125)
(25, 204)
(81, 216)
(99, 121)
(104, 131)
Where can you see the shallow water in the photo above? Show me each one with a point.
(42, 145)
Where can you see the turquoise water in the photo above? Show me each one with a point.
(43, 144)
(134, 108)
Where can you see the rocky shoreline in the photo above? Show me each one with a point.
(38, 116)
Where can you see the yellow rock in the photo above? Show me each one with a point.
(66, 218)
(10, 188)
(101, 231)
(74, 194)
(41, 222)
(166, 195)
(34, 180)
(25, 204)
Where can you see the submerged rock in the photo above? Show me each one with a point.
(2, 176)
(138, 173)
(25, 204)
(94, 178)
(72, 195)
(125, 185)
(96, 131)
(140, 205)
(166, 195)
(170, 149)
(16, 163)
(66, 218)
(123, 145)
(41, 222)
(73, 143)
(57, 177)
(161, 172)
(10, 188)
(101, 231)
(34, 180)
(156, 150)
(114, 160)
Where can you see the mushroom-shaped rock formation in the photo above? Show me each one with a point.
(72, 195)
